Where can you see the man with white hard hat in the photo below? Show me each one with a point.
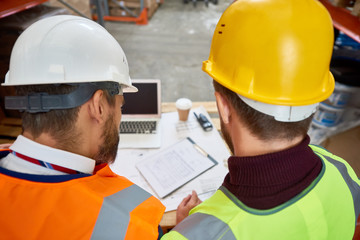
(70, 75)
(270, 63)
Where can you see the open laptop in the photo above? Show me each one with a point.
(140, 122)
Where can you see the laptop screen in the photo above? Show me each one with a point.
(143, 102)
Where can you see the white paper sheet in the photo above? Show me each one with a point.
(171, 168)
(173, 131)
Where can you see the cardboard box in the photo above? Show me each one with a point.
(153, 6)
(83, 6)
(126, 3)
(356, 8)
(118, 12)
(132, 3)
(347, 146)
(342, 3)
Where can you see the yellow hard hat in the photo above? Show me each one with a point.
(274, 51)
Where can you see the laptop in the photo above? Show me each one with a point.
(141, 113)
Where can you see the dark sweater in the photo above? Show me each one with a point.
(266, 181)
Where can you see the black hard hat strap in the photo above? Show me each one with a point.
(43, 102)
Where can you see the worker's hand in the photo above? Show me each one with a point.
(188, 203)
(5, 145)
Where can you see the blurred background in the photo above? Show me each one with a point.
(169, 39)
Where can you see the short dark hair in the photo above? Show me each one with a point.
(57, 123)
(264, 126)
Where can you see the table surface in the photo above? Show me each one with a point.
(210, 107)
(169, 218)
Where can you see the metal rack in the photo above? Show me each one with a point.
(102, 13)
(344, 20)
(9, 7)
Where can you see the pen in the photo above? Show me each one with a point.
(200, 150)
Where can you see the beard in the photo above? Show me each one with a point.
(108, 150)
(227, 137)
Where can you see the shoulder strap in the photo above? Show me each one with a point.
(346, 172)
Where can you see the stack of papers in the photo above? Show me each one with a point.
(171, 168)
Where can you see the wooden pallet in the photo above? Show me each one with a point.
(10, 128)
(356, 9)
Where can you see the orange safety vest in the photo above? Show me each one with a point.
(100, 206)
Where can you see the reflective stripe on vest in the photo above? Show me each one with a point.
(218, 229)
(352, 185)
(114, 214)
(77, 208)
(354, 188)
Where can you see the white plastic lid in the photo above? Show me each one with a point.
(183, 103)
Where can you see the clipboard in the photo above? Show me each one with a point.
(173, 167)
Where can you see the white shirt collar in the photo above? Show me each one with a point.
(51, 155)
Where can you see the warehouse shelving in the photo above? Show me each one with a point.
(9, 7)
(344, 20)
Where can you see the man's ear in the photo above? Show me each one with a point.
(223, 107)
(97, 106)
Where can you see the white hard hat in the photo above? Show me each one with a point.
(67, 49)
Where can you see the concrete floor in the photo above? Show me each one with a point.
(172, 46)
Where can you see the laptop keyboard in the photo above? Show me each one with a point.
(138, 127)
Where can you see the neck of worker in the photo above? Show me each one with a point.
(246, 144)
(243, 141)
(72, 143)
(44, 139)
(83, 139)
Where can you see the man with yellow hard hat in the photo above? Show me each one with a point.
(270, 63)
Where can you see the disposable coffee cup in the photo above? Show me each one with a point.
(183, 106)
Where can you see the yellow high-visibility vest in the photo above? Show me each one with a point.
(327, 209)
